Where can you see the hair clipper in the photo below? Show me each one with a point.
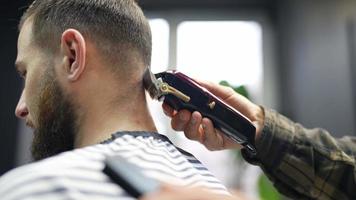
(181, 92)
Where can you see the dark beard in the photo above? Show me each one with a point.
(56, 122)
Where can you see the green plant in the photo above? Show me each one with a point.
(266, 189)
(240, 89)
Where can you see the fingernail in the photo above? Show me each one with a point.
(193, 121)
(204, 126)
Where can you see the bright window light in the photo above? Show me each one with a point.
(160, 42)
(222, 50)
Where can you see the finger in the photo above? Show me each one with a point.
(212, 140)
(180, 120)
(218, 140)
(228, 142)
(169, 111)
(222, 92)
(192, 130)
(228, 95)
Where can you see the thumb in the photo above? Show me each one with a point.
(220, 91)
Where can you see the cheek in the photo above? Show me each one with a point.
(32, 96)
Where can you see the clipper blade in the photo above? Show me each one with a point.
(151, 84)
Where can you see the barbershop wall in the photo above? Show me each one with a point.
(317, 67)
(10, 84)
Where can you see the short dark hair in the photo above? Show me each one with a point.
(115, 26)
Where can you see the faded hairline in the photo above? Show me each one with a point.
(48, 36)
(52, 46)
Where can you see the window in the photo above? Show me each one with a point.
(221, 50)
(160, 48)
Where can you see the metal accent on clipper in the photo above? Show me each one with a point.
(212, 105)
(167, 89)
(157, 88)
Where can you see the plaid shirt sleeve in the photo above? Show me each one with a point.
(305, 163)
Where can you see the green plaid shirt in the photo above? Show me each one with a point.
(306, 163)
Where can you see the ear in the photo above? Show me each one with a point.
(73, 47)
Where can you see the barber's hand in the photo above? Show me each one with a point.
(201, 129)
(168, 192)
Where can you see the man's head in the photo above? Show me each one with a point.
(64, 47)
(114, 26)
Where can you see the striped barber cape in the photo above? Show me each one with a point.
(77, 174)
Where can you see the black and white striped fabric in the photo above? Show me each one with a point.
(78, 174)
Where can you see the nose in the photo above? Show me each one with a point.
(21, 108)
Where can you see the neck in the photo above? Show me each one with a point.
(100, 122)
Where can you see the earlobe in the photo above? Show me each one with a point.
(73, 47)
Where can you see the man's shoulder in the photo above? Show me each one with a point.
(80, 170)
(77, 171)
(88, 158)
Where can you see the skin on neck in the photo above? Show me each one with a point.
(100, 119)
(105, 102)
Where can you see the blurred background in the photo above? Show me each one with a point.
(295, 56)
